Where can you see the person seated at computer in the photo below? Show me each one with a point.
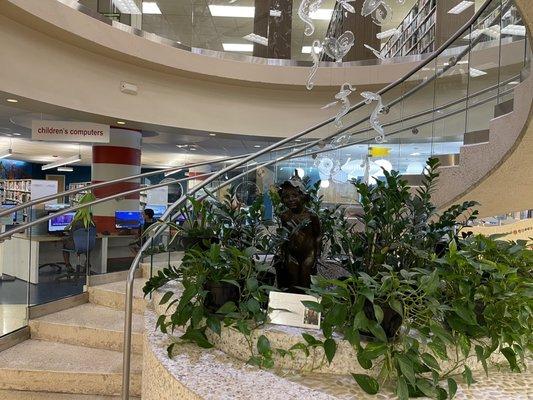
(148, 218)
(82, 220)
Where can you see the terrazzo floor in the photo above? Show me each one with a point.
(500, 385)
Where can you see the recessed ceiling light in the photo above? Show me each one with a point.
(19, 134)
(121, 123)
(127, 6)
(252, 37)
(513, 83)
(414, 154)
(65, 169)
(12, 100)
(322, 14)
(307, 49)
(459, 8)
(232, 11)
(181, 146)
(61, 162)
(257, 146)
(192, 148)
(239, 47)
(212, 134)
(297, 140)
(151, 7)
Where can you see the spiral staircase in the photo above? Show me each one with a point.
(73, 348)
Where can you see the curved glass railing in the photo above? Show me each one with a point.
(279, 32)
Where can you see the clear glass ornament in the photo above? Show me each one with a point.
(375, 123)
(337, 48)
(306, 8)
(346, 5)
(316, 50)
(341, 98)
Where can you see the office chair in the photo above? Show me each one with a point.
(84, 242)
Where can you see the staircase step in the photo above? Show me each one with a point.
(112, 295)
(24, 395)
(88, 325)
(37, 365)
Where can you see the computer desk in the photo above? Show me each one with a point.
(22, 255)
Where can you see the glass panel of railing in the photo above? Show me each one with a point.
(17, 277)
(484, 68)
(414, 132)
(512, 55)
(449, 104)
(57, 265)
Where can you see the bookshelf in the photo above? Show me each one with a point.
(21, 191)
(75, 198)
(425, 28)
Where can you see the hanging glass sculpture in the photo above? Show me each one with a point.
(325, 166)
(395, 32)
(376, 53)
(341, 140)
(337, 48)
(374, 117)
(316, 50)
(379, 10)
(345, 4)
(304, 12)
(342, 99)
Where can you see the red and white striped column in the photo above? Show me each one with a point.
(119, 158)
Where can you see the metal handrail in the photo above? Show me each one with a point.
(196, 188)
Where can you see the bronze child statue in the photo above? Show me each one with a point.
(298, 256)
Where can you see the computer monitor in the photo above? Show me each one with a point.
(128, 219)
(159, 209)
(60, 223)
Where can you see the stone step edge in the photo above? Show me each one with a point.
(99, 338)
(106, 384)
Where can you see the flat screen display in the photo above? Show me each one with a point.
(128, 219)
(159, 210)
(60, 223)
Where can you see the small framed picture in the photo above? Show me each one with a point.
(287, 309)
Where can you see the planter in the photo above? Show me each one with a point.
(391, 319)
(219, 294)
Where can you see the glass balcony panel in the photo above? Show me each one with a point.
(15, 279)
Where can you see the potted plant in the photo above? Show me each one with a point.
(426, 312)
(220, 284)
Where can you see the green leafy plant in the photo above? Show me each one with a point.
(193, 311)
(426, 315)
(84, 214)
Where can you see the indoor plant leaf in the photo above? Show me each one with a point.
(367, 383)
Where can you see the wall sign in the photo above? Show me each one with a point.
(68, 131)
